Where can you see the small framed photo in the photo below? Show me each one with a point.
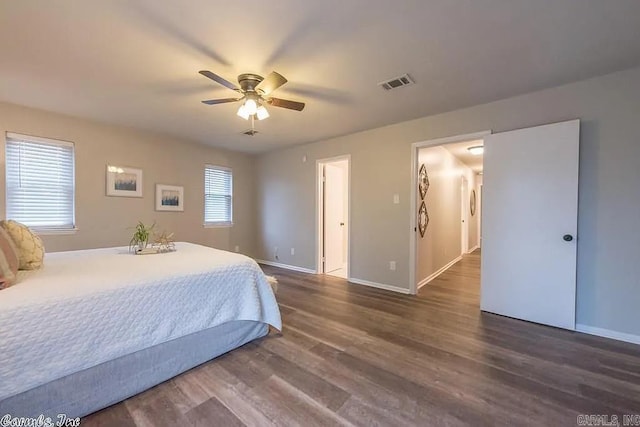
(169, 198)
(123, 181)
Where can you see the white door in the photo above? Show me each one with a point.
(529, 224)
(334, 220)
(464, 218)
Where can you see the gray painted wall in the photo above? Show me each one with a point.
(608, 272)
(105, 221)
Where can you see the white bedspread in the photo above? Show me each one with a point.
(87, 307)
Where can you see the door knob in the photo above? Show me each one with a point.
(567, 237)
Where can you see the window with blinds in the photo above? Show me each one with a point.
(40, 182)
(218, 196)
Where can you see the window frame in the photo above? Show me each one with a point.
(45, 230)
(217, 224)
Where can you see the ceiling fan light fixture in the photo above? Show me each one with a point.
(477, 150)
(255, 92)
(262, 113)
(251, 106)
(242, 112)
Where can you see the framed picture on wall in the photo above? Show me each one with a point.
(124, 181)
(169, 198)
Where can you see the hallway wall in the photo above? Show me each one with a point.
(441, 243)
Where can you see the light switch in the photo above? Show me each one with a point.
(396, 199)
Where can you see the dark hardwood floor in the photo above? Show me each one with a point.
(349, 354)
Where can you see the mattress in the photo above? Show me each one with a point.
(87, 307)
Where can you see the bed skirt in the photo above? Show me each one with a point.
(92, 389)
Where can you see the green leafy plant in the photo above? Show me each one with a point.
(141, 235)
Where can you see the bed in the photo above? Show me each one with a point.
(94, 327)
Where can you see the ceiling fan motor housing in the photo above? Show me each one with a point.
(248, 82)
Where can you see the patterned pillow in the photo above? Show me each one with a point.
(30, 246)
(8, 260)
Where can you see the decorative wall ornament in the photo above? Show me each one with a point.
(423, 219)
(472, 202)
(423, 181)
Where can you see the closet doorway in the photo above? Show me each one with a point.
(333, 216)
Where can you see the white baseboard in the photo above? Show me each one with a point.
(607, 333)
(355, 281)
(286, 266)
(380, 286)
(437, 273)
(473, 249)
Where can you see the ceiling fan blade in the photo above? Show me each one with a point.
(285, 103)
(218, 79)
(272, 82)
(220, 101)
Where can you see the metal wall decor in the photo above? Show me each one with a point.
(423, 186)
(423, 181)
(472, 202)
(423, 219)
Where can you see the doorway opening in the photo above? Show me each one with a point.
(529, 212)
(465, 213)
(449, 176)
(333, 178)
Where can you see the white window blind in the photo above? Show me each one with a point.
(40, 182)
(218, 196)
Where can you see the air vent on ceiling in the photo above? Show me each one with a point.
(403, 80)
(250, 132)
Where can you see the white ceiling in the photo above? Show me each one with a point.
(461, 152)
(136, 63)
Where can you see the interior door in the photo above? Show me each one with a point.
(333, 217)
(464, 217)
(529, 224)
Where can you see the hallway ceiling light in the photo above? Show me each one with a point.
(476, 150)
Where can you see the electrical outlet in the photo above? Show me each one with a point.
(392, 265)
(237, 248)
(293, 251)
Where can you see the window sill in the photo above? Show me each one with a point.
(218, 225)
(53, 231)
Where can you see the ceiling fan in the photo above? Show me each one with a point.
(255, 92)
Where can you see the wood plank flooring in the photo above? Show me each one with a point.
(352, 355)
